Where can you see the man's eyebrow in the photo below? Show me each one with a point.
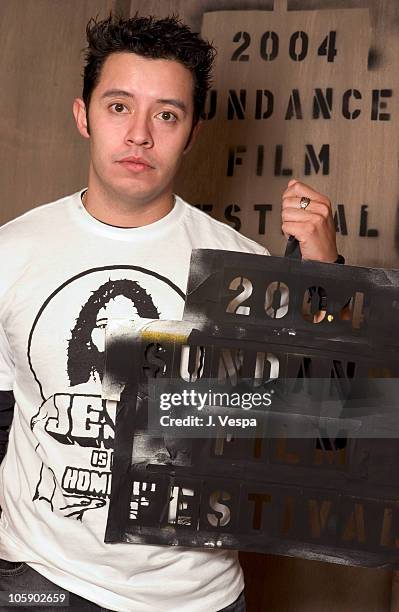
(117, 92)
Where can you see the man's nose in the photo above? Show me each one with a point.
(139, 131)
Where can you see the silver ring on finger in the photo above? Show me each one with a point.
(304, 202)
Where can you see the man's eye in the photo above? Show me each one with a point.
(167, 116)
(118, 107)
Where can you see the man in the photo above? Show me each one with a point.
(119, 248)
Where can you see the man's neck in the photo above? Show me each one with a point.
(83, 197)
(117, 212)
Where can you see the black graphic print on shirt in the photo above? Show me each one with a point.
(66, 352)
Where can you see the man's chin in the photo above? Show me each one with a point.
(141, 197)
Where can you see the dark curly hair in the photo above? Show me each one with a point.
(83, 356)
(166, 38)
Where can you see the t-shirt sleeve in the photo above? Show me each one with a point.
(6, 416)
(6, 394)
(6, 363)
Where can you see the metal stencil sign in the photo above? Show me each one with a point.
(220, 438)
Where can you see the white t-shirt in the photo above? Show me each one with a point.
(63, 276)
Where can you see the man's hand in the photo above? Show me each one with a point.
(312, 226)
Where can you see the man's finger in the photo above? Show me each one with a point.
(302, 216)
(301, 189)
(293, 228)
(315, 206)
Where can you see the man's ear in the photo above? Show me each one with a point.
(193, 136)
(79, 112)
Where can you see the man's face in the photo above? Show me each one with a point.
(140, 120)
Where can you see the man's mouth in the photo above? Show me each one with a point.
(135, 164)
